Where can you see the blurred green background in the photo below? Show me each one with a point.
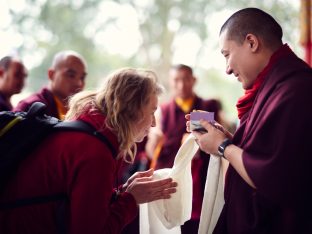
(142, 33)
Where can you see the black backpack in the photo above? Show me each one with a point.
(22, 132)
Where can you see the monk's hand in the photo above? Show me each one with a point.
(145, 189)
(187, 117)
(222, 129)
(209, 141)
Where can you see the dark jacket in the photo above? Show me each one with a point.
(81, 167)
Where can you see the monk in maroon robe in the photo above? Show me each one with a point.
(268, 183)
(166, 138)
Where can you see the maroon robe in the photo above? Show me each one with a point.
(45, 96)
(4, 105)
(173, 127)
(276, 138)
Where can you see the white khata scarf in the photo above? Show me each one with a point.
(165, 216)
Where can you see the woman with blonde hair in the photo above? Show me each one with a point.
(85, 169)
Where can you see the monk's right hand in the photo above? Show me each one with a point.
(187, 117)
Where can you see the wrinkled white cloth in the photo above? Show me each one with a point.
(213, 200)
(166, 215)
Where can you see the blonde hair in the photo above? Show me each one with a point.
(122, 98)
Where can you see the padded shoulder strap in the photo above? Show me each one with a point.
(82, 126)
(37, 108)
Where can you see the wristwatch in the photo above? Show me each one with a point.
(226, 142)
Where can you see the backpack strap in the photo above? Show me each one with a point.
(83, 126)
(10, 125)
(37, 108)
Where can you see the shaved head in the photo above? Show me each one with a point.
(61, 56)
(253, 21)
(5, 62)
(67, 74)
(182, 67)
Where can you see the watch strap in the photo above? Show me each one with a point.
(226, 142)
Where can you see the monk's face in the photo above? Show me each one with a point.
(68, 77)
(13, 78)
(240, 60)
(181, 83)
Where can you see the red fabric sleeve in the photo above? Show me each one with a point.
(92, 175)
(277, 160)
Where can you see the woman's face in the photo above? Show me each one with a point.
(147, 119)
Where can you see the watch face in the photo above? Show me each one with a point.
(220, 150)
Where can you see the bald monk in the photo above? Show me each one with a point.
(66, 77)
(268, 183)
(13, 74)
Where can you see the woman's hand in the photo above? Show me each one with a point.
(145, 189)
(138, 174)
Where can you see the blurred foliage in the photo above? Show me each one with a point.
(209, 85)
(50, 26)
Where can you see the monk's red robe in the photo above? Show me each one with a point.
(277, 142)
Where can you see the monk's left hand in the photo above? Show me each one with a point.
(188, 122)
(209, 141)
